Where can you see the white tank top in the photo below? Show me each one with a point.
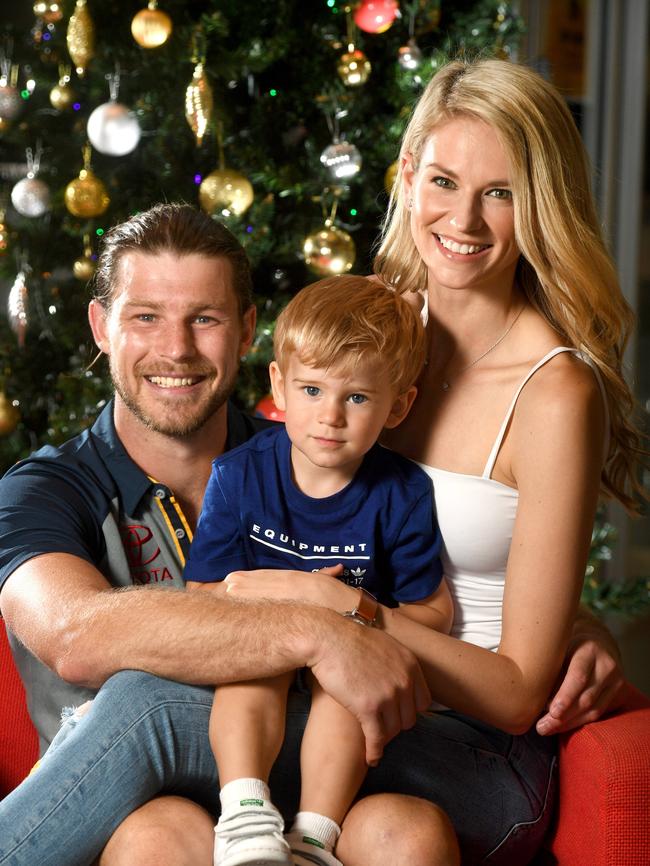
(476, 515)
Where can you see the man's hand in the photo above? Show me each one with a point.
(593, 681)
(373, 676)
(369, 673)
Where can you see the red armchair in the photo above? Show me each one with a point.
(18, 739)
(603, 817)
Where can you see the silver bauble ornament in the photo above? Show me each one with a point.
(342, 160)
(409, 56)
(31, 197)
(113, 129)
(10, 101)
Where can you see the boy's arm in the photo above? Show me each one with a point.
(436, 611)
(219, 586)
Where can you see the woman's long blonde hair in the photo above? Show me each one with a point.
(565, 270)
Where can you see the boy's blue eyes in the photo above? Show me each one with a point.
(314, 391)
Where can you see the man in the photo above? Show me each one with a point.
(115, 508)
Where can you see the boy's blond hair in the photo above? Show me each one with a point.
(340, 321)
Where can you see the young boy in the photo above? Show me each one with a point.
(314, 494)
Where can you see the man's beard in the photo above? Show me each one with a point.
(177, 423)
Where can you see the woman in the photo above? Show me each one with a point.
(521, 420)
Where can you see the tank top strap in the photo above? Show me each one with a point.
(489, 466)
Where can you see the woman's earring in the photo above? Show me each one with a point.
(409, 203)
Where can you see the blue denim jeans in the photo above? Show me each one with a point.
(145, 736)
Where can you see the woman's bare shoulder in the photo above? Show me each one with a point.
(562, 397)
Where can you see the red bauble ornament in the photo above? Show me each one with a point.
(266, 408)
(375, 16)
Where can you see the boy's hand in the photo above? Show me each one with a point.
(319, 587)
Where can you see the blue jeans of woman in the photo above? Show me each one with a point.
(146, 736)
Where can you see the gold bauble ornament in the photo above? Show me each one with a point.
(389, 177)
(62, 96)
(354, 68)
(198, 103)
(81, 37)
(9, 415)
(84, 267)
(51, 12)
(86, 196)
(151, 27)
(329, 251)
(225, 192)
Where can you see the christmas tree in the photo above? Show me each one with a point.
(281, 118)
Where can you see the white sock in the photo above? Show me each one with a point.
(243, 789)
(317, 828)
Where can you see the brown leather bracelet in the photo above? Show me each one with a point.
(365, 610)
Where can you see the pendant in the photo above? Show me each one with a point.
(445, 386)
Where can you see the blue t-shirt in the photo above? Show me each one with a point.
(381, 527)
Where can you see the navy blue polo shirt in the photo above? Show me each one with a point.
(89, 499)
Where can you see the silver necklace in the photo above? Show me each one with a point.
(446, 384)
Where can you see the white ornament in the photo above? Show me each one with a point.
(341, 159)
(31, 196)
(113, 129)
(409, 56)
(17, 307)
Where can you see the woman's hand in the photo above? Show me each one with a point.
(593, 681)
(318, 587)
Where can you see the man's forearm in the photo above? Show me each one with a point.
(63, 610)
(197, 638)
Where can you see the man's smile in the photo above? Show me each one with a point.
(174, 381)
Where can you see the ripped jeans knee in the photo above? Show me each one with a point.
(71, 715)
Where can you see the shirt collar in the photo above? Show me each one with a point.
(131, 482)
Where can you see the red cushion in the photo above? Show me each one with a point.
(18, 738)
(604, 794)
